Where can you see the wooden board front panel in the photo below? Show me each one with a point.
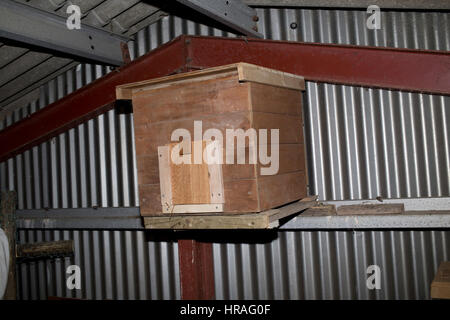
(191, 101)
(190, 184)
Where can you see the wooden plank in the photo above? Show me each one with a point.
(125, 91)
(197, 208)
(248, 221)
(280, 189)
(320, 210)
(244, 195)
(267, 98)
(149, 136)
(150, 199)
(370, 209)
(258, 74)
(290, 127)
(190, 181)
(148, 169)
(440, 287)
(215, 173)
(263, 220)
(291, 158)
(191, 100)
(165, 179)
(50, 249)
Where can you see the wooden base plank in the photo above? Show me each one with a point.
(264, 220)
(370, 209)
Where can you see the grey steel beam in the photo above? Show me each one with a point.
(363, 4)
(20, 22)
(232, 13)
(128, 218)
(421, 213)
(410, 220)
(410, 204)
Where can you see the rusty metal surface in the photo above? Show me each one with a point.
(196, 270)
(350, 65)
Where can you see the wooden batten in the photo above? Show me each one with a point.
(252, 73)
(164, 178)
(264, 220)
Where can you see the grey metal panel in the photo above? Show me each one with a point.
(330, 265)
(114, 265)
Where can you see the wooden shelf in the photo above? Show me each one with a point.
(263, 220)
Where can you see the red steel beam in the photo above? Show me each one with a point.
(411, 70)
(196, 270)
(90, 100)
(403, 69)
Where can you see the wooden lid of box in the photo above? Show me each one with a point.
(244, 71)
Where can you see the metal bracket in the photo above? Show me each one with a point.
(232, 13)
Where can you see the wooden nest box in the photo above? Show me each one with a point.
(206, 110)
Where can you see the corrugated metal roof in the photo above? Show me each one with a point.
(23, 70)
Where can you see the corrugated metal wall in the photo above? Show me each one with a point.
(114, 265)
(362, 143)
(90, 165)
(330, 265)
